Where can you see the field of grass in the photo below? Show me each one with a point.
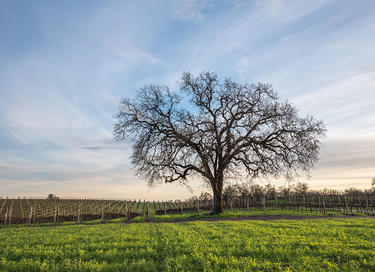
(186, 216)
(281, 245)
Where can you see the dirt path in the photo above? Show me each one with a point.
(264, 218)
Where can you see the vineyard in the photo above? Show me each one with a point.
(56, 210)
(32, 211)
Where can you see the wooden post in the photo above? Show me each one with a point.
(276, 203)
(3, 205)
(346, 204)
(264, 204)
(130, 211)
(154, 205)
(143, 207)
(80, 213)
(118, 210)
(254, 202)
(6, 217)
(34, 214)
(10, 214)
(30, 215)
(126, 212)
(304, 202)
(58, 213)
(21, 207)
(148, 212)
(55, 216)
(102, 213)
(340, 206)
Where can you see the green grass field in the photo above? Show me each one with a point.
(281, 245)
(186, 216)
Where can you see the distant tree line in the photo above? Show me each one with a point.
(239, 191)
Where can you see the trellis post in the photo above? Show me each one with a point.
(102, 213)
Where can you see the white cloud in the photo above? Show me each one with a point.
(191, 10)
(137, 56)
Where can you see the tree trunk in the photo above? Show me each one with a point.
(217, 188)
(218, 202)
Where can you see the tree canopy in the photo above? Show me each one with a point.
(216, 130)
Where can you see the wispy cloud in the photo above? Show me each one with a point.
(137, 56)
(191, 10)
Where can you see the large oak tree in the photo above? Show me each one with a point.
(217, 130)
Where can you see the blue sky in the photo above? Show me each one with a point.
(64, 65)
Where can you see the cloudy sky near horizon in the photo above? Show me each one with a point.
(64, 65)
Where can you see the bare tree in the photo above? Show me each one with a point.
(205, 197)
(216, 130)
(301, 188)
(52, 196)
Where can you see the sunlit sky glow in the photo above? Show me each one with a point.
(64, 65)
